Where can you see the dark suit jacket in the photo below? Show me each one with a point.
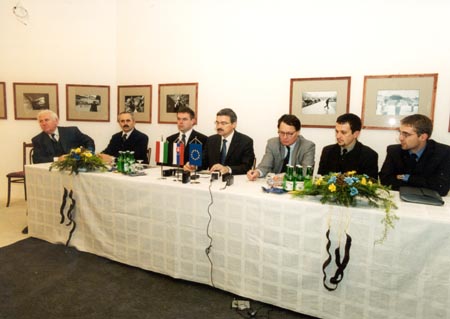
(69, 137)
(136, 142)
(431, 171)
(361, 159)
(240, 155)
(194, 134)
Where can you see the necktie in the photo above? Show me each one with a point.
(223, 152)
(286, 159)
(183, 139)
(124, 138)
(54, 138)
(344, 151)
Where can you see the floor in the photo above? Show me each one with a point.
(13, 219)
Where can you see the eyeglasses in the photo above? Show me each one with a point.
(287, 134)
(223, 123)
(405, 134)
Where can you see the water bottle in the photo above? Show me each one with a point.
(289, 179)
(308, 179)
(300, 180)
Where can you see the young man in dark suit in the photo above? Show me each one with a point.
(228, 151)
(186, 134)
(55, 141)
(348, 154)
(129, 139)
(417, 161)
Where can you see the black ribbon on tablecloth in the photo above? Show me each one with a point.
(339, 274)
(69, 214)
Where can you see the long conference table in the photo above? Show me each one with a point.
(265, 247)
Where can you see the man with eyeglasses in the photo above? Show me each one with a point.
(348, 154)
(228, 151)
(288, 148)
(417, 161)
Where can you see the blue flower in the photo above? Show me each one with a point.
(353, 191)
(349, 180)
(332, 180)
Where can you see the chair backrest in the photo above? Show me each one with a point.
(27, 154)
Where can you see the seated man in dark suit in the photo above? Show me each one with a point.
(348, 154)
(417, 161)
(228, 151)
(129, 139)
(288, 148)
(55, 141)
(185, 123)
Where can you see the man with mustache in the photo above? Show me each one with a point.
(228, 151)
(417, 161)
(348, 154)
(129, 139)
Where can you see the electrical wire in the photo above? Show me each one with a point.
(208, 249)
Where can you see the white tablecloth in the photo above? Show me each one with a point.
(265, 247)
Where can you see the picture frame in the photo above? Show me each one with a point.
(388, 98)
(87, 102)
(136, 99)
(317, 102)
(31, 98)
(172, 96)
(2, 100)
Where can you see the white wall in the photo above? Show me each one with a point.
(242, 53)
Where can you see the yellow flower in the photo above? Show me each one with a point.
(370, 183)
(319, 181)
(351, 173)
(88, 154)
(363, 181)
(332, 188)
(78, 150)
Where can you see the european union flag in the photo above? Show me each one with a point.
(195, 154)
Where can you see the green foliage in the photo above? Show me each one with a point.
(345, 189)
(79, 159)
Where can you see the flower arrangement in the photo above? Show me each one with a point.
(79, 159)
(345, 189)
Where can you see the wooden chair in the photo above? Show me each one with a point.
(19, 177)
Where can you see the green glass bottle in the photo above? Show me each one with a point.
(289, 179)
(308, 179)
(120, 162)
(300, 180)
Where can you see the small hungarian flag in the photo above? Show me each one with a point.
(178, 154)
(162, 152)
(195, 154)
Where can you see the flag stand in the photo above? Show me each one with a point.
(162, 174)
(195, 178)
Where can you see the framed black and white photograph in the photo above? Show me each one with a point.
(174, 96)
(389, 98)
(31, 98)
(136, 99)
(317, 102)
(2, 100)
(87, 102)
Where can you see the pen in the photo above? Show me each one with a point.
(254, 164)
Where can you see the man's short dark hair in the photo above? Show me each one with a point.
(421, 123)
(186, 109)
(228, 112)
(290, 120)
(353, 120)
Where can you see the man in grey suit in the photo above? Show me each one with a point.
(55, 140)
(288, 148)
